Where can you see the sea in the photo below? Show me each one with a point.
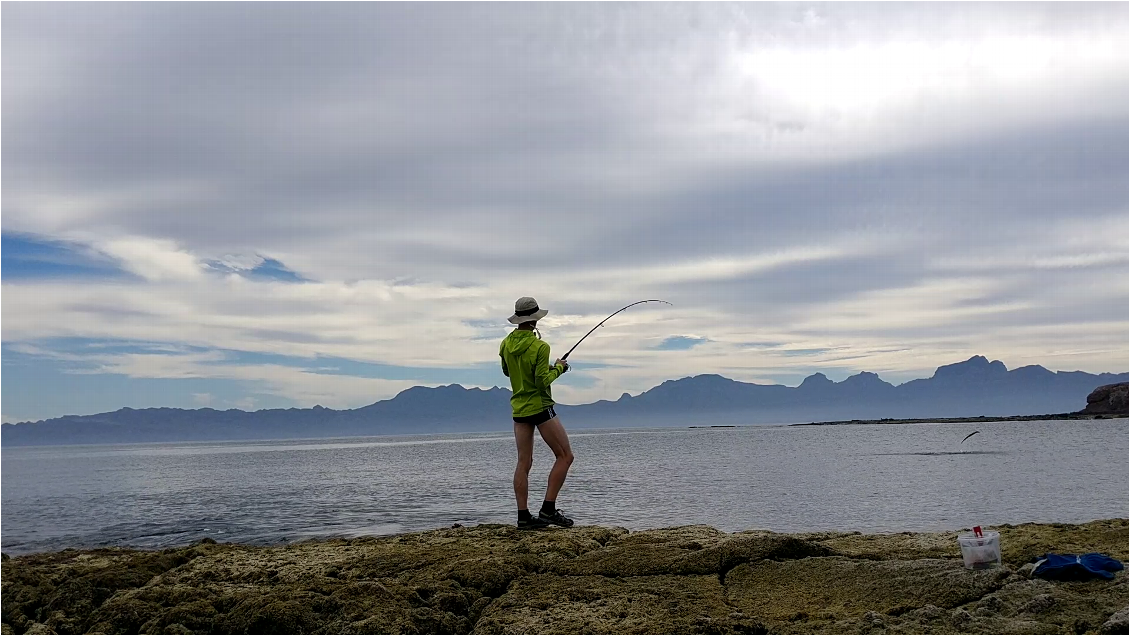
(860, 477)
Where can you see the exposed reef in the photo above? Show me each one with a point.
(497, 579)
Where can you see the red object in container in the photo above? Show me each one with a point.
(977, 531)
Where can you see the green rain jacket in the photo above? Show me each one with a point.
(525, 360)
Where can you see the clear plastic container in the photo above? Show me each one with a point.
(980, 552)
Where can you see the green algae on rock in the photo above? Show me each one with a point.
(496, 579)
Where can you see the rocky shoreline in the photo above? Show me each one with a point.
(496, 579)
(981, 418)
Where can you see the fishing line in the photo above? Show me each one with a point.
(638, 302)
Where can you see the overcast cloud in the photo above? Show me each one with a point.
(287, 204)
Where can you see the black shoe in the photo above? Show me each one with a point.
(533, 523)
(556, 519)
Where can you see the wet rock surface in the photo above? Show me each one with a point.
(495, 579)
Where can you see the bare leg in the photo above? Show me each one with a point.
(554, 434)
(524, 436)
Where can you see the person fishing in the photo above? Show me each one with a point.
(525, 360)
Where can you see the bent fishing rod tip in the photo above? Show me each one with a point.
(598, 325)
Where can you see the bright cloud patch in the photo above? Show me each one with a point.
(153, 259)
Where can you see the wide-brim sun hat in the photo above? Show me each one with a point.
(526, 310)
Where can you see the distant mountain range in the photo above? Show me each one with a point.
(965, 389)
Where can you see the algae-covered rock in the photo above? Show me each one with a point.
(836, 587)
(686, 550)
(550, 603)
(125, 614)
(1019, 544)
(496, 579)
(1027, 542)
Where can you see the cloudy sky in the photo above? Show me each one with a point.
(274, 205)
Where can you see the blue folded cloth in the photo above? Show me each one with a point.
(1069, 567)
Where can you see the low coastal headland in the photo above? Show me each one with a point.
(1104, 403)
(972, 420)
(496, 579)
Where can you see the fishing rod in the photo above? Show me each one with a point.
(638, 302)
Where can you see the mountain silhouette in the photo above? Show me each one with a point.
(971, 388)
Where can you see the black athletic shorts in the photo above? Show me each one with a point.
(540, 418)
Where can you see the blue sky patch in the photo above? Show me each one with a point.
(271, 269)
(680, 343)
(27, 256)
(267, 269)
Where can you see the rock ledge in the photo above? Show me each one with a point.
(496, 579)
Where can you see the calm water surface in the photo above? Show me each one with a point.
(871, 478)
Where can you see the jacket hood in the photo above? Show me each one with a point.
(518, 341)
